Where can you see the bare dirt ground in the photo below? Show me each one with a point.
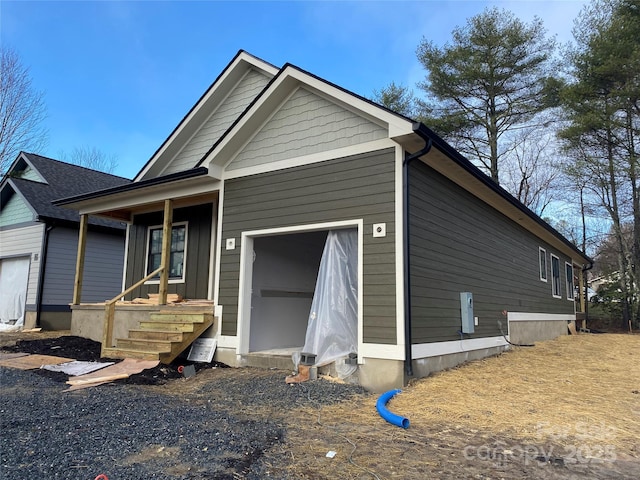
(565, 409)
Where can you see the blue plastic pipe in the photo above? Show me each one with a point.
(381, 406)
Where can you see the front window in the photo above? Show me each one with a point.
(177, 253)
(555, 276)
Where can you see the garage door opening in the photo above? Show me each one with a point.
(304, 293)
(14, 277)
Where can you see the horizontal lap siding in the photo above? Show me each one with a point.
(358, 187)
(102, 278)
(232, 106)
(196, 284)
(15, 211)
(460, 244)
(24, 241)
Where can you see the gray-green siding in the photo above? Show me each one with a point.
(196, 282)
(357, 187)
(307, 123)
(232, 106)
(102, 277)
(460, 244)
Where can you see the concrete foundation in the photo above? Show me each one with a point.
(531, 331)
(87, 320)
(55, 320)
(378, 376)
(29, 320)
(424, 367)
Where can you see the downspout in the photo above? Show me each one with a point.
(43, 267)
(586, 289)
(408, 353)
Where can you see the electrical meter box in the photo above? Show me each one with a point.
(466, 312)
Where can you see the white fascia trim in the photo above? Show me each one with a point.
(126, 258)
(397, 125)
(425, 350)
(539, 317)
(185, 189)
(399, 243)
(380, 350)
(312, 158)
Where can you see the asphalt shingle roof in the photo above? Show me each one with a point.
(64, 180)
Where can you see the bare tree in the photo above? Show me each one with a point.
(529, 171)
(22, 110)
(91, 157)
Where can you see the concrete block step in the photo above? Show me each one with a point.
(281, 362)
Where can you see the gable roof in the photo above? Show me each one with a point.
(60, 180)
(241, 63)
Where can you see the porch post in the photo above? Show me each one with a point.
(166, 250)
(82, 243)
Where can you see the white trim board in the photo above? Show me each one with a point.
(425, 350)
(539, 317)
(310, 159)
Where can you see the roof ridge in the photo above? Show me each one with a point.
(75, 165)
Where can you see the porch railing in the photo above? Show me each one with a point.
(110, 309)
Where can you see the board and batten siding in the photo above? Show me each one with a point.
(25, 241)
(196, 283)
(232, 106)
(305, 124)
(460, 244)
(356, 187)
(15, 211)
(102, 278)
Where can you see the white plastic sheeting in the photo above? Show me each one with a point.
(14, 274)
(332, 331)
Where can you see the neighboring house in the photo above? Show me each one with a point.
(38, 242)
(269, 161)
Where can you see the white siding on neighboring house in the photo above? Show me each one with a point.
(15, 211)
(25, 241)
(246, 90)
(306, 124)
(103, 262)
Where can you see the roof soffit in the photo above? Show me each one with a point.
(288, 81)
(202, 110)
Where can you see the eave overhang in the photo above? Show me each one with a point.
(449, 162)
(120, 203)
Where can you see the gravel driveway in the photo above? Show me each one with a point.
(211, 431)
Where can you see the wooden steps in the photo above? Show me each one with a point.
(163, 337)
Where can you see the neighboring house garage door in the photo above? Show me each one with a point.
(14, 275)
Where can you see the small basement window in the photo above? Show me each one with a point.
(555, 276)
(542, 254)
(570, 284)
(177, 254)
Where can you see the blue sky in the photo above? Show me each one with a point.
(120, 75)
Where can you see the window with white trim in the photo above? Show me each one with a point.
(542, 255)
(555, 276)
(177, 251)
(568, 268)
